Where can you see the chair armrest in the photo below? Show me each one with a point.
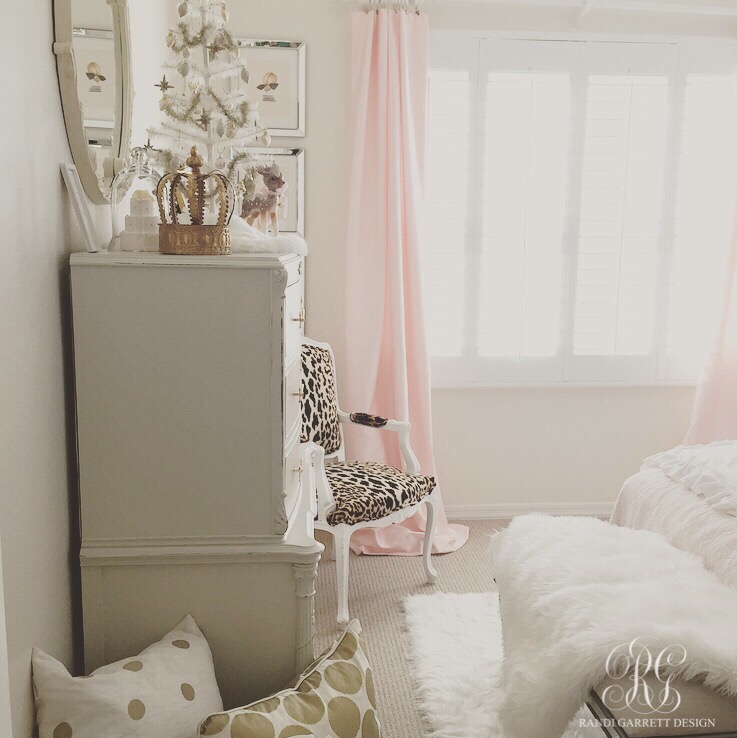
(372, 421)
(400, 427)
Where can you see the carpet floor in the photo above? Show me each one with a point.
(378, 585)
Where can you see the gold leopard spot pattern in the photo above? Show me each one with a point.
(63, 730)
(305, 708)
(268, 705)
(252, 725)
(344, 717)
(292, 731)
(136, 710)
(187, 692)
(370, 728)
(214, 724)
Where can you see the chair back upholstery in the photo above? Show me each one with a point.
(320, 422)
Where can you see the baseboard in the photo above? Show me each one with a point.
(513, 509)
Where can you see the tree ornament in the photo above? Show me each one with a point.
(220, 162)
(185, 53)
(183, 69)
(164, 85)
(266, 138)
(205, 119)
(170, 39)
(224, 13)
(245, 75)
(220, 128)
(183, 9)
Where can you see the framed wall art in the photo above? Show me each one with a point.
(291, 163)
(277, 82)
(80, 206)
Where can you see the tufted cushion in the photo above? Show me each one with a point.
(364, 491)
(334, 697)
(320, 421)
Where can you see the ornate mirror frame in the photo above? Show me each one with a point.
(66, 67)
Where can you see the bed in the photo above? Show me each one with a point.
(650, 500)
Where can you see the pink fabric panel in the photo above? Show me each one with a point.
(386, 357)
(715, 410)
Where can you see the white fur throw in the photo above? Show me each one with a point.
(574, 589)
(247, 239)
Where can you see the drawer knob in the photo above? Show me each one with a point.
(300, 394)
(299, 471)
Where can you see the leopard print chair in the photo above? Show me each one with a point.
(357, 494)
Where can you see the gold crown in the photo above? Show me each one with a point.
(194, 192)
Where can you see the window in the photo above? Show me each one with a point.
(581, 197)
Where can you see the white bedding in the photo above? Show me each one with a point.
(650, 500)
(575, 590)
(709, 471)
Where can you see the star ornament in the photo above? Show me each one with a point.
(164, 85)
(205, 119)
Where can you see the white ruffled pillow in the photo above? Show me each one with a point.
(164, 692)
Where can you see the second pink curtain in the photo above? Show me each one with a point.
(715, 410)
(386, 353)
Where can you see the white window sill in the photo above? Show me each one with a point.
(560, 385)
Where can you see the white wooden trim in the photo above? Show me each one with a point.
(210, 553)
(561, 385)
(633, 38)
(120, 258)
(505, 510)
(633, 6)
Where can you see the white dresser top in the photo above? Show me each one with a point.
(131, 258)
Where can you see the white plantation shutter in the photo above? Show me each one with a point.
(592, 189)
(626, 135)
(704, 208)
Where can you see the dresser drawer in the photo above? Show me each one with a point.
(292, 397)
(294, 320)
(293, 473)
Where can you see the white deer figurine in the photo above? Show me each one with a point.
(261, 209)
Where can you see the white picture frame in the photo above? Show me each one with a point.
(81, 208)
(282, 108)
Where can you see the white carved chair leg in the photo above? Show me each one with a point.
(342, 540)
(333, 548)
(430, 570)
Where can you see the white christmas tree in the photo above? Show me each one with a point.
(204, 97)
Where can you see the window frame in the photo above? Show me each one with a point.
(468, 372)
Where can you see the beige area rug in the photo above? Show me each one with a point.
(378, 587)
(455, 653)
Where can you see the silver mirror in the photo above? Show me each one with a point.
(94, 64)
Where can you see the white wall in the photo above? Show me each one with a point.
(34, 506)
(494, 447)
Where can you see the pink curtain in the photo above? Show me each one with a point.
(715, 411)
(386, 370)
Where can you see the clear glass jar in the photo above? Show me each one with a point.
(136, 181)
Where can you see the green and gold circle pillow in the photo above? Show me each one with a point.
(333, 698)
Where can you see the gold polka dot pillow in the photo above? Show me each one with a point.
(333, 698)
(164, 692)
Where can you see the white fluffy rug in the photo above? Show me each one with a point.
(455, 653)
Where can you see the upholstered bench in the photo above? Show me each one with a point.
(702, 713)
